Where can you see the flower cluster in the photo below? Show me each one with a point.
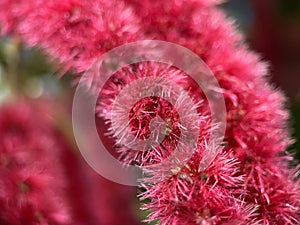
(256, 119)
(249, 181)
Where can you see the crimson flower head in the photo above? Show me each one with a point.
(146, 111)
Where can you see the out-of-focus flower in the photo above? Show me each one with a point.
(44, 181)
(74, 32)
(95, 200)
(32, 184)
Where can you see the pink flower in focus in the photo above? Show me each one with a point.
(275, 190)
(256, 118)
(192, 196)
(148, 96)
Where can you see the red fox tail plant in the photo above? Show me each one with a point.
(249, 181)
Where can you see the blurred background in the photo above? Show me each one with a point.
(271, 27)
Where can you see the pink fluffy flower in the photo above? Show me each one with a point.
(126, 75)
(192, 196)
(256, 119)
(146, 110)
(32, 184)
(275, 191)
(188, 195)
(74, 32)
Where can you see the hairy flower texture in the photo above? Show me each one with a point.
(188, 195)
(194, 196)
(257, 134)
(32, 182)
(74, 32)
(275, 192)
(147, 109)
(126, 75)
(256, 119)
